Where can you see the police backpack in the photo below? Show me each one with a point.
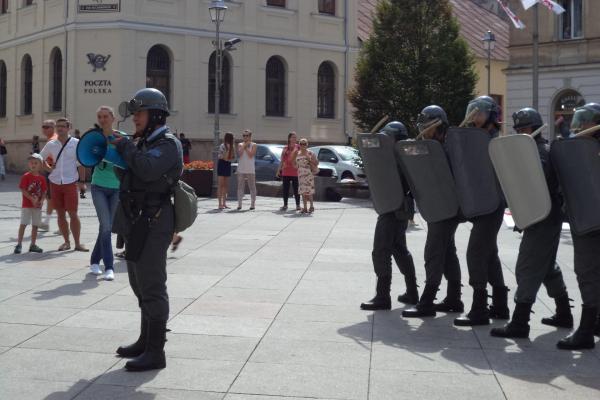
(185, 203)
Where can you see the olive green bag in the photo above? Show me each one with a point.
(185, 204)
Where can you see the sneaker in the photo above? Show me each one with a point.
(95, 269)
(43, 227)
(35, 249)
(109, 275)
(18, 249)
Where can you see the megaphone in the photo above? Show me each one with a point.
(93, 147)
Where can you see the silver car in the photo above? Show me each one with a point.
(345, 159)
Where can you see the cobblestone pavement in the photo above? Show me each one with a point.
(264, 305)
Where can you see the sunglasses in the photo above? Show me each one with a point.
(62, 126)
(303, 144)
(47, 126)
(245, 135)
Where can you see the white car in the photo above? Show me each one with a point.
(345, 159)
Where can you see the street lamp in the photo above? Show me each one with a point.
(217, 11)
(489, 43)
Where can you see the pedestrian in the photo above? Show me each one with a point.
(77, 134)
(3, 153)
(105, 196)
(390, 231)
(536, 262)
(35, 144)
(186, 144)
(33, 189)
(226, 156)
(288, 172)
(440, 249)
(66, 176)
(147, 222)
(246, 170)
(48, 130)
(307, 165)
(482, 250)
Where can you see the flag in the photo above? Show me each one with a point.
(550, 4)
(513, 17)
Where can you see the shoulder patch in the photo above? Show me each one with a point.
(155, 152)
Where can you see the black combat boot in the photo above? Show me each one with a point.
(424, 307)
(154, 355)
(452, 302)
(563, 318)
(499, 308)
(382, 299)
(583, 337)
(518, 327)
(412, 294)
(137, 348)
(479, 314)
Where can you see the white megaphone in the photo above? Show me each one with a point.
(93, 147)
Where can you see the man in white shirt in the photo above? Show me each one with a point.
(67, 177)
(246, 169)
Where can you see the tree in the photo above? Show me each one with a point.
(414, 58)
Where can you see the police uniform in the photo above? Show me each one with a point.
(390, 241)
(145, 218)
(536, 262)
(440, 250)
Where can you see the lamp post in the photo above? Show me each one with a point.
(217, 11)
(489, 43)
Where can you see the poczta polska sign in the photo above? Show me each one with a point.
(98, 6)
(97, 86)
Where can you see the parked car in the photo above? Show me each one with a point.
(268, 158)
(345, 159)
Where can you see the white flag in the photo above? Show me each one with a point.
(527, 4)
(550, 4)
(513, 17)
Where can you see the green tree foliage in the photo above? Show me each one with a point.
(414, 58)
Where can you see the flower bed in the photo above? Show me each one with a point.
(199, 175)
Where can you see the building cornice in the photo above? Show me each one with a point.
(553, 68)
(167, 29)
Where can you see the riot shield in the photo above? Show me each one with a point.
(518, 167)
(425, 167)
(577, 164)
(476, 184)
(385, 185)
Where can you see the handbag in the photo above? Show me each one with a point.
(314, 164)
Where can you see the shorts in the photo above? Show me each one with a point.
(48, 196)
(31, 216)
(65, 197)
(224, 168)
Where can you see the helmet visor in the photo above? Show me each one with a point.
(480, 106)
(581, 118)
(424, 122)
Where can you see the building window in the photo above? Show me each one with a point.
(564, 108)
(499, 99)
(27, 85)
(56, 85)
(326, 91)
(28, 3)
(276, 3)
(327, 7)
(3, 6)
(158, 71)
(275, 91)
(571, 21)
(224, 103)
(2, 89)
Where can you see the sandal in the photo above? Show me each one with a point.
(311, 210)
(81, 248)
(304, 211)
(176, 242)
(65, 246)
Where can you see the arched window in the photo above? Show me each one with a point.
(27, 85)
(326, 91)
(225, 92)
(327, 7)
(56, 84)
(275, 91)
(158, 71)
(2, 89)
(565, 104)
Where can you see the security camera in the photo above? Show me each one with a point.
(232, 42)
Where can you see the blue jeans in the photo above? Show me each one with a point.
(105, 201)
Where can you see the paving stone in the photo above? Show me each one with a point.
(325, 331)
(32, 315)
(109, 392)
(554, 388)
(220, 326)
(13, 334)
(92, 340)
(233, 309)
(30, 389)
(208, 347)
(123, 320)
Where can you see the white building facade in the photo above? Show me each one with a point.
(290, 71)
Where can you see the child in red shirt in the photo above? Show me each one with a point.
(33, 187)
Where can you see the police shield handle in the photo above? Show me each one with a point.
(469, 118)
(589, 132)
(425, 133)
(380, 123)
(539, 130)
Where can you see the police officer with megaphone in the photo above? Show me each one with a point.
(145, 218)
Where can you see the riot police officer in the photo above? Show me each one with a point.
(482, 251)
(390, 240)
(536, 263)
(586, 246)
(440, 250)
(145, 218)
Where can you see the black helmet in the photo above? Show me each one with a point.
(589, 113)
(149, 99)
(486, 105)
(527, 118)
(430, 115)
(396, 130)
